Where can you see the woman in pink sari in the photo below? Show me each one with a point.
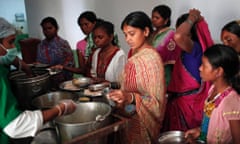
(163, 38)
(86, 22)
(186, 91)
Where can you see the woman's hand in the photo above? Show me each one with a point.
(192, 134)
(121, 97)
(117, 96)
(194, 15)
(68, 105)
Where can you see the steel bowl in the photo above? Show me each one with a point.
(172, 137)
(82, 81)
(50, 99)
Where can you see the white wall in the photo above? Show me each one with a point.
(66, 13)
(216, 12)
(8, 9)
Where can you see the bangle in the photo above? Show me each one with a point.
(59, 110)
(189, 22)
(195, 16)
(132, 97)
(19, 65)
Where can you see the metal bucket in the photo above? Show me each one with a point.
(25, 88)
(88, 117)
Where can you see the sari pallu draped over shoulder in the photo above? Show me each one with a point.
(144, 76)
(185, 106)
(166, 46)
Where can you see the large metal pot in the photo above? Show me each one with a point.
(50, 99)
(25, 88)
(88, 117)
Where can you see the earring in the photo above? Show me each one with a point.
(146, 34)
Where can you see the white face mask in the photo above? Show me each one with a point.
(9, 57)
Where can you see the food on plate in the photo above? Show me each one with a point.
(70, 86)
(81, 82)
(88, 92)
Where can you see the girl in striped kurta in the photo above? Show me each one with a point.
(142, 82)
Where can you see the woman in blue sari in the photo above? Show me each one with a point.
(186, 90)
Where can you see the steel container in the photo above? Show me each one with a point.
(89, 116)
(25, 88)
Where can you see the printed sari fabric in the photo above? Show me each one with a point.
(167, 48)
(186, 94)
(144, 75)
(186, 90)
(81, 46)
(86, 46)
(54, 52)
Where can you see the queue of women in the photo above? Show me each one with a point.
(176, 78)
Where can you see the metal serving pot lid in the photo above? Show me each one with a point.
(20, 76)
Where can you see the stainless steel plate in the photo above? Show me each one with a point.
(99, 86)
(53, 71)
(172, 137)
(90, 93)
(68, 86)
(40, 65)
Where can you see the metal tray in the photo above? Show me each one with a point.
(99, 86)
(90, 93)
(68, 86)
(41, 65)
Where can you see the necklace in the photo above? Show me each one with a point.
(104, 58)
(210, 105)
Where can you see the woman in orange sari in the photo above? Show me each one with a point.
(142, 82)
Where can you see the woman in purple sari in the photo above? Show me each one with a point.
(54, 50)
(186, 91)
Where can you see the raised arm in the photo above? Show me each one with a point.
(184, 34)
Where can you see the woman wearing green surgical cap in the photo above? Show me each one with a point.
(9, 52)
(15, 123)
